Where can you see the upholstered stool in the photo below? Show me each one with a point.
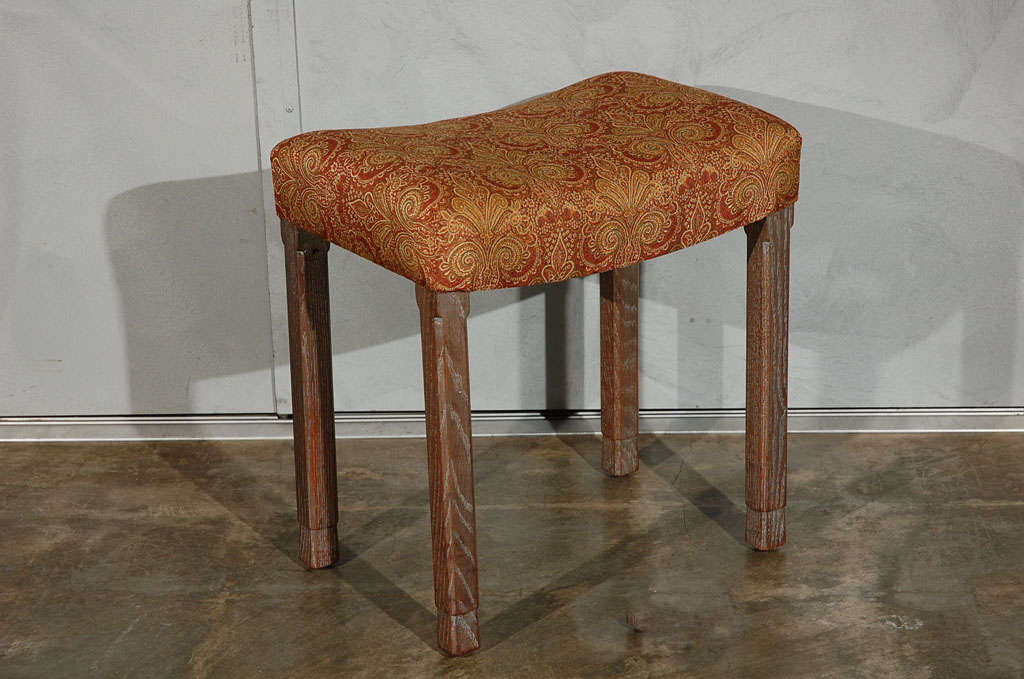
(592, 178)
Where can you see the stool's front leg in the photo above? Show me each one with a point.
(309, 339)
(450, 467)
(767, 358)
(620, 290)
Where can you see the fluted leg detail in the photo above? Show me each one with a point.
(450, 467)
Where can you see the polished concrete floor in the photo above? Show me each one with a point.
(905, 559)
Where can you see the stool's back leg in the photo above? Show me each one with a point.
(450, 467)
(309, 339)
(767, 359)
(619, 370)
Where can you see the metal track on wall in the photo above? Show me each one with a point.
(505, 423)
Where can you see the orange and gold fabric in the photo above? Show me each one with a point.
(613, 170)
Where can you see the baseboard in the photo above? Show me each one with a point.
(505, 423)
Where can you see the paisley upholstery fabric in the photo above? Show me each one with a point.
(602, 174)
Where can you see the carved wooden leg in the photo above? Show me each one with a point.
(767, 359)
(450, 467)
(309, 339)
(619, 370)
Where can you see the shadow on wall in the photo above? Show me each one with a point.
(905, 266)
(189, 260)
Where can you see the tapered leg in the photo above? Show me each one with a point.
(450, 467)
(309, 339)
(767, 366)
(619, 370)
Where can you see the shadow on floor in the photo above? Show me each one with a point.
(264, 508)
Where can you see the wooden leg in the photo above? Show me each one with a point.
(309, 339)
(450, 467)
(767, 359)
(619, 370)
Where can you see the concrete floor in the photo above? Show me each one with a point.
(905, 559)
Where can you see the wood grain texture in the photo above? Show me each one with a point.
(309, 339)
(620, 290)
(458, 634)
(450, 467)
(767, 367)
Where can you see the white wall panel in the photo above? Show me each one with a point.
(132, 257)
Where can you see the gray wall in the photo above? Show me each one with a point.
(133, 273)
(134, 261)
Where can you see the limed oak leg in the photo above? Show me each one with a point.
(309, 339)
(450, 467)
(619, 370)
(767, 366)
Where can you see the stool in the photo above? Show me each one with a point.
(593, 178)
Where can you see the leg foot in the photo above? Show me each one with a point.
(619, 457)
(766, 531)
(458, 634)
(318, 547)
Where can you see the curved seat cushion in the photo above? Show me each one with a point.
(598, 175)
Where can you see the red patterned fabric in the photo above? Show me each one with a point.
(613, 170)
